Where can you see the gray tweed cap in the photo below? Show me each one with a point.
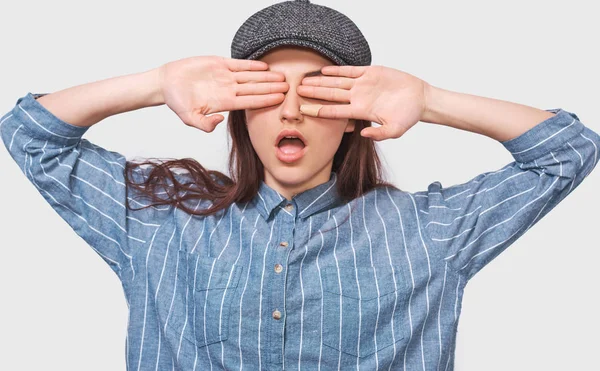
(302, 23)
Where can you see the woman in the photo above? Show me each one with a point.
(305, 258)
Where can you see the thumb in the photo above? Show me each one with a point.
(373, 133)
(206, 123)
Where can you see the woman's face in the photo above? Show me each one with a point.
(323, 136)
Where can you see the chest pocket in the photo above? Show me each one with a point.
(364, 308)
(211, 285)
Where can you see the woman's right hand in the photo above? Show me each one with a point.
(198, 86)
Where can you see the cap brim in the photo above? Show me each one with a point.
(295, 42)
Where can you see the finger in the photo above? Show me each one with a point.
(372, 133)
(262, 88)
(235, 64)
(330, 94)
(329, 82)
(257, 101)
(258, 76)
(328, 111)
(208, 123)
(348, 71)
(200, 121)
(376, 133)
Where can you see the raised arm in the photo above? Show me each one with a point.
(469, 224)
(466, 225)
(497, 119)
(82, 182)
(87, 104)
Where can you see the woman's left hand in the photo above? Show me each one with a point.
(384, 95)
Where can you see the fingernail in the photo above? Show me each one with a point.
(310, 109)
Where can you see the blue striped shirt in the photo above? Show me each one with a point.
(312, 282)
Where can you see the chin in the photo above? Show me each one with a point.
(290, 175)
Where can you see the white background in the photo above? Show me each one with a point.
(535, 307)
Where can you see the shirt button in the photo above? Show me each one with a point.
(278, 268)
(276, 314)
(284, 244)
(289, 207)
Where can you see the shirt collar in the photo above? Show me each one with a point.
(305, 203)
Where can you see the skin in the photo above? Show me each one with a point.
(323, 135)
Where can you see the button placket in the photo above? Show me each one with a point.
(283, 243)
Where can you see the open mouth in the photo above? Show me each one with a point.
(290, 149)
(290, 145)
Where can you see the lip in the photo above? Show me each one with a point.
(290, 157)
(290, 133)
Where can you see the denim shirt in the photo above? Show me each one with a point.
(313, 282)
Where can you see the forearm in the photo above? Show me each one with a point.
(87, 104)
(497, 119)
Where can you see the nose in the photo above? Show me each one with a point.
(290, 107)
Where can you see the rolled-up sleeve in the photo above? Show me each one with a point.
(469, 224)
(83, 182)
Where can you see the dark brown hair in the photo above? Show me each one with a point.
(356, 164)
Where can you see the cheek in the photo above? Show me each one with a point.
(260, 116)
(261, 133)
(252, 120)
(328, 139)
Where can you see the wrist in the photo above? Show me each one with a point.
(431, 107)
(153, 83)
